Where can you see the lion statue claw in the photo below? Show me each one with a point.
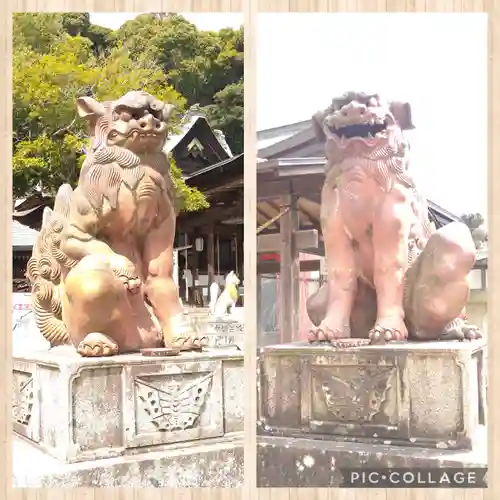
(390, 274)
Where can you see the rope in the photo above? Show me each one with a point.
(273, 220)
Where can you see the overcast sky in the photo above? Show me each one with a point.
(437, 62)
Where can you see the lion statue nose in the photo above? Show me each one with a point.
(147, 122)
(354, 109)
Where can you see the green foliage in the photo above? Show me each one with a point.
(46, 162)
(41, 31)
(188, 199)
(472, 220)
(78, 24)
(99, 37)
(227, 114)
(38, 32)
(45, 86)
(47, 139)
(75, 23)
(205, 67)
(58, 57)
(118, 73)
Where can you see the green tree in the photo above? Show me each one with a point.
(472, 220)
(78, 24)
(75, 23)
(205, 67)
(48, 75)
(47, 138)
(227, 114)
(38, 32)
(188, 198)
(477, 226)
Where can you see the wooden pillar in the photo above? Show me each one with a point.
(211, 256)
(237, 254)
(241, 249)
(289, 273)
(196, 273)
(186, 286)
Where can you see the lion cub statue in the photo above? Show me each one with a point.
(102, 268)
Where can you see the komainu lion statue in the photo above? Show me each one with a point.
(102, 268)
(390, 274)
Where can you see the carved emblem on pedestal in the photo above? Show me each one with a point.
(176, 407)
(356, 393)
(22, 404)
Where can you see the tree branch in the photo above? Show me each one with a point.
(64, 130)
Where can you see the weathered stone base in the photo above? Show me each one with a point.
(402, 405)
(430, 395)
(216, 463)
(313, 463)
(80, 409)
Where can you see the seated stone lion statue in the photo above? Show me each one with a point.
(102, 268)
(390, 273)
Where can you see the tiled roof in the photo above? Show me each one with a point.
(188, 122)
(23, 237)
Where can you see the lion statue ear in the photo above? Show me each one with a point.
(317, 125)
(402, 114)
(46, 216)
(168, 111)
(90, 109)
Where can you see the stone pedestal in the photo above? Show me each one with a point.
(412, 404)
(126, 411)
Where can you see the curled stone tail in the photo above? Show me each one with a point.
(47, 309)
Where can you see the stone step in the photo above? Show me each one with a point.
(215, 463)
(313, 463)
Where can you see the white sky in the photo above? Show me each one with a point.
(437, 62)
(208, 21)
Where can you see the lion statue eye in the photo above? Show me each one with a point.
(125, 116)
